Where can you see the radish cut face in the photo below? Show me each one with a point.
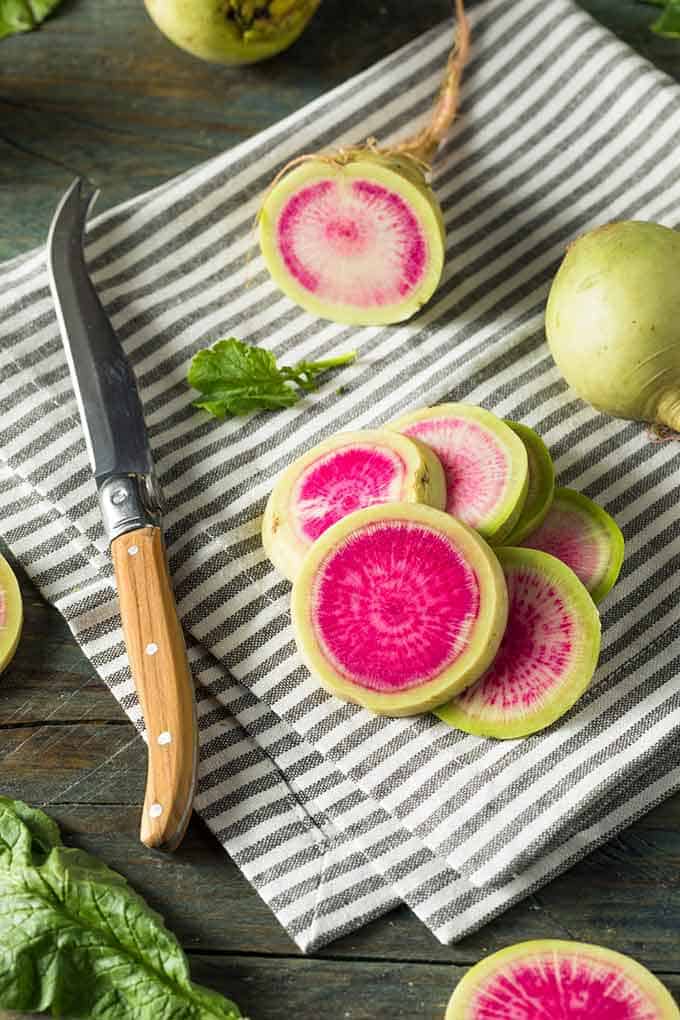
(359, 242)
(560, 980)
(541, 484)
(546, 659)
(485, 463)
(585, 537)
(348, 472)
(11, 613)
(398, 607)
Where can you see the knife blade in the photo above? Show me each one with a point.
(129, 495)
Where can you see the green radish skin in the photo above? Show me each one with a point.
(613, 321)
(541, 484)
(232, 32)
(319, 239)
(556, 979)
(398, 607)
(585, 537)
(11, 614)
(546, 659)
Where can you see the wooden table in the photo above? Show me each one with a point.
(98, 91)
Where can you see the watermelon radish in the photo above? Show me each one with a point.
(541, 484)
(11, 613)
(560, 980)
(348, 472)
(585, 537)
(398, 607)
(486, 464)
(546, 659)
(357, 235)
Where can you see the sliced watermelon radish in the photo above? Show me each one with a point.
(398, 607)
(356, 237)
(546, 659)
(486, 464)
(560, 980)
(11, 613)
(585, 537)
(348, 472)
(541, 484)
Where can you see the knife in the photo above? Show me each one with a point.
(130, 500)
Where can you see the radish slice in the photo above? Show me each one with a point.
(585, 537)
(398, 608)
(560, 980)
(11, 614)
(359, 240)
(546, 659)
(541, 484)
(348, 472)
(486, 464)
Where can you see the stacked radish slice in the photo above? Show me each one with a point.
(436, 567)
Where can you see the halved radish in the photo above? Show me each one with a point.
(485, 463)
(546, 659)
(11, 613)
(585, 537)
(398, 608)
(560, 980)
(541, 484)
(357, 240)
(348, 472)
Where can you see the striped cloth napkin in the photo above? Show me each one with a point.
(333, 814)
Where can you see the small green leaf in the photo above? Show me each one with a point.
(237, 378)
(23, 15)
(668, 23)
(77, 941)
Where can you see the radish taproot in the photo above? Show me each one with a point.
(555, 978)
(348, 472)
(11, 613)
(613, 321)
(357, 235)
(541, 487)
(485, 463)
(398, 608)
(232, 31)
(585, 537)
(546, 659)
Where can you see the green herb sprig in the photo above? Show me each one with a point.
(668, 22)
(237, 378)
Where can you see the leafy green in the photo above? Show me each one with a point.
(23, 15)
(668, 22)
(77, 941)
(237, 378)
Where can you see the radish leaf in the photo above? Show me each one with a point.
(668, 23)
(23, 15)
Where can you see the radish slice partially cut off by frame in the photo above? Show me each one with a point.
(485, 463)
(358, 241)
(546, 659)
(560, 980)
(399, 607)
(350, 471)
(585, 537)
(11, 614)
(541, 484)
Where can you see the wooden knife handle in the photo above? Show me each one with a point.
(158, 660)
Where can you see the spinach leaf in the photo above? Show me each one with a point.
(23, 15)
(77, 941)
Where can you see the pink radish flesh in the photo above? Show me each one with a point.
(475, 464)
(356, 243)
(342, 481)
(567, 536)
(394, 605)
(561, 986)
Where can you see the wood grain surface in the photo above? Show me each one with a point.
(98, 91)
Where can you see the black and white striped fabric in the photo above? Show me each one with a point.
(333, 814)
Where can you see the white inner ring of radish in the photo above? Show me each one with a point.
(352, 242)
(344, 480)
(393, 605)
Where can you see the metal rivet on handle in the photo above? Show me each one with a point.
(133, 550)
(118, 497)
(151, 648)
(156, 810)
(165, 737)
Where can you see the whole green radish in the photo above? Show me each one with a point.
(232, 31)
(613, 320)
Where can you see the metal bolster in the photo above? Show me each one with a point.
(129, 502)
